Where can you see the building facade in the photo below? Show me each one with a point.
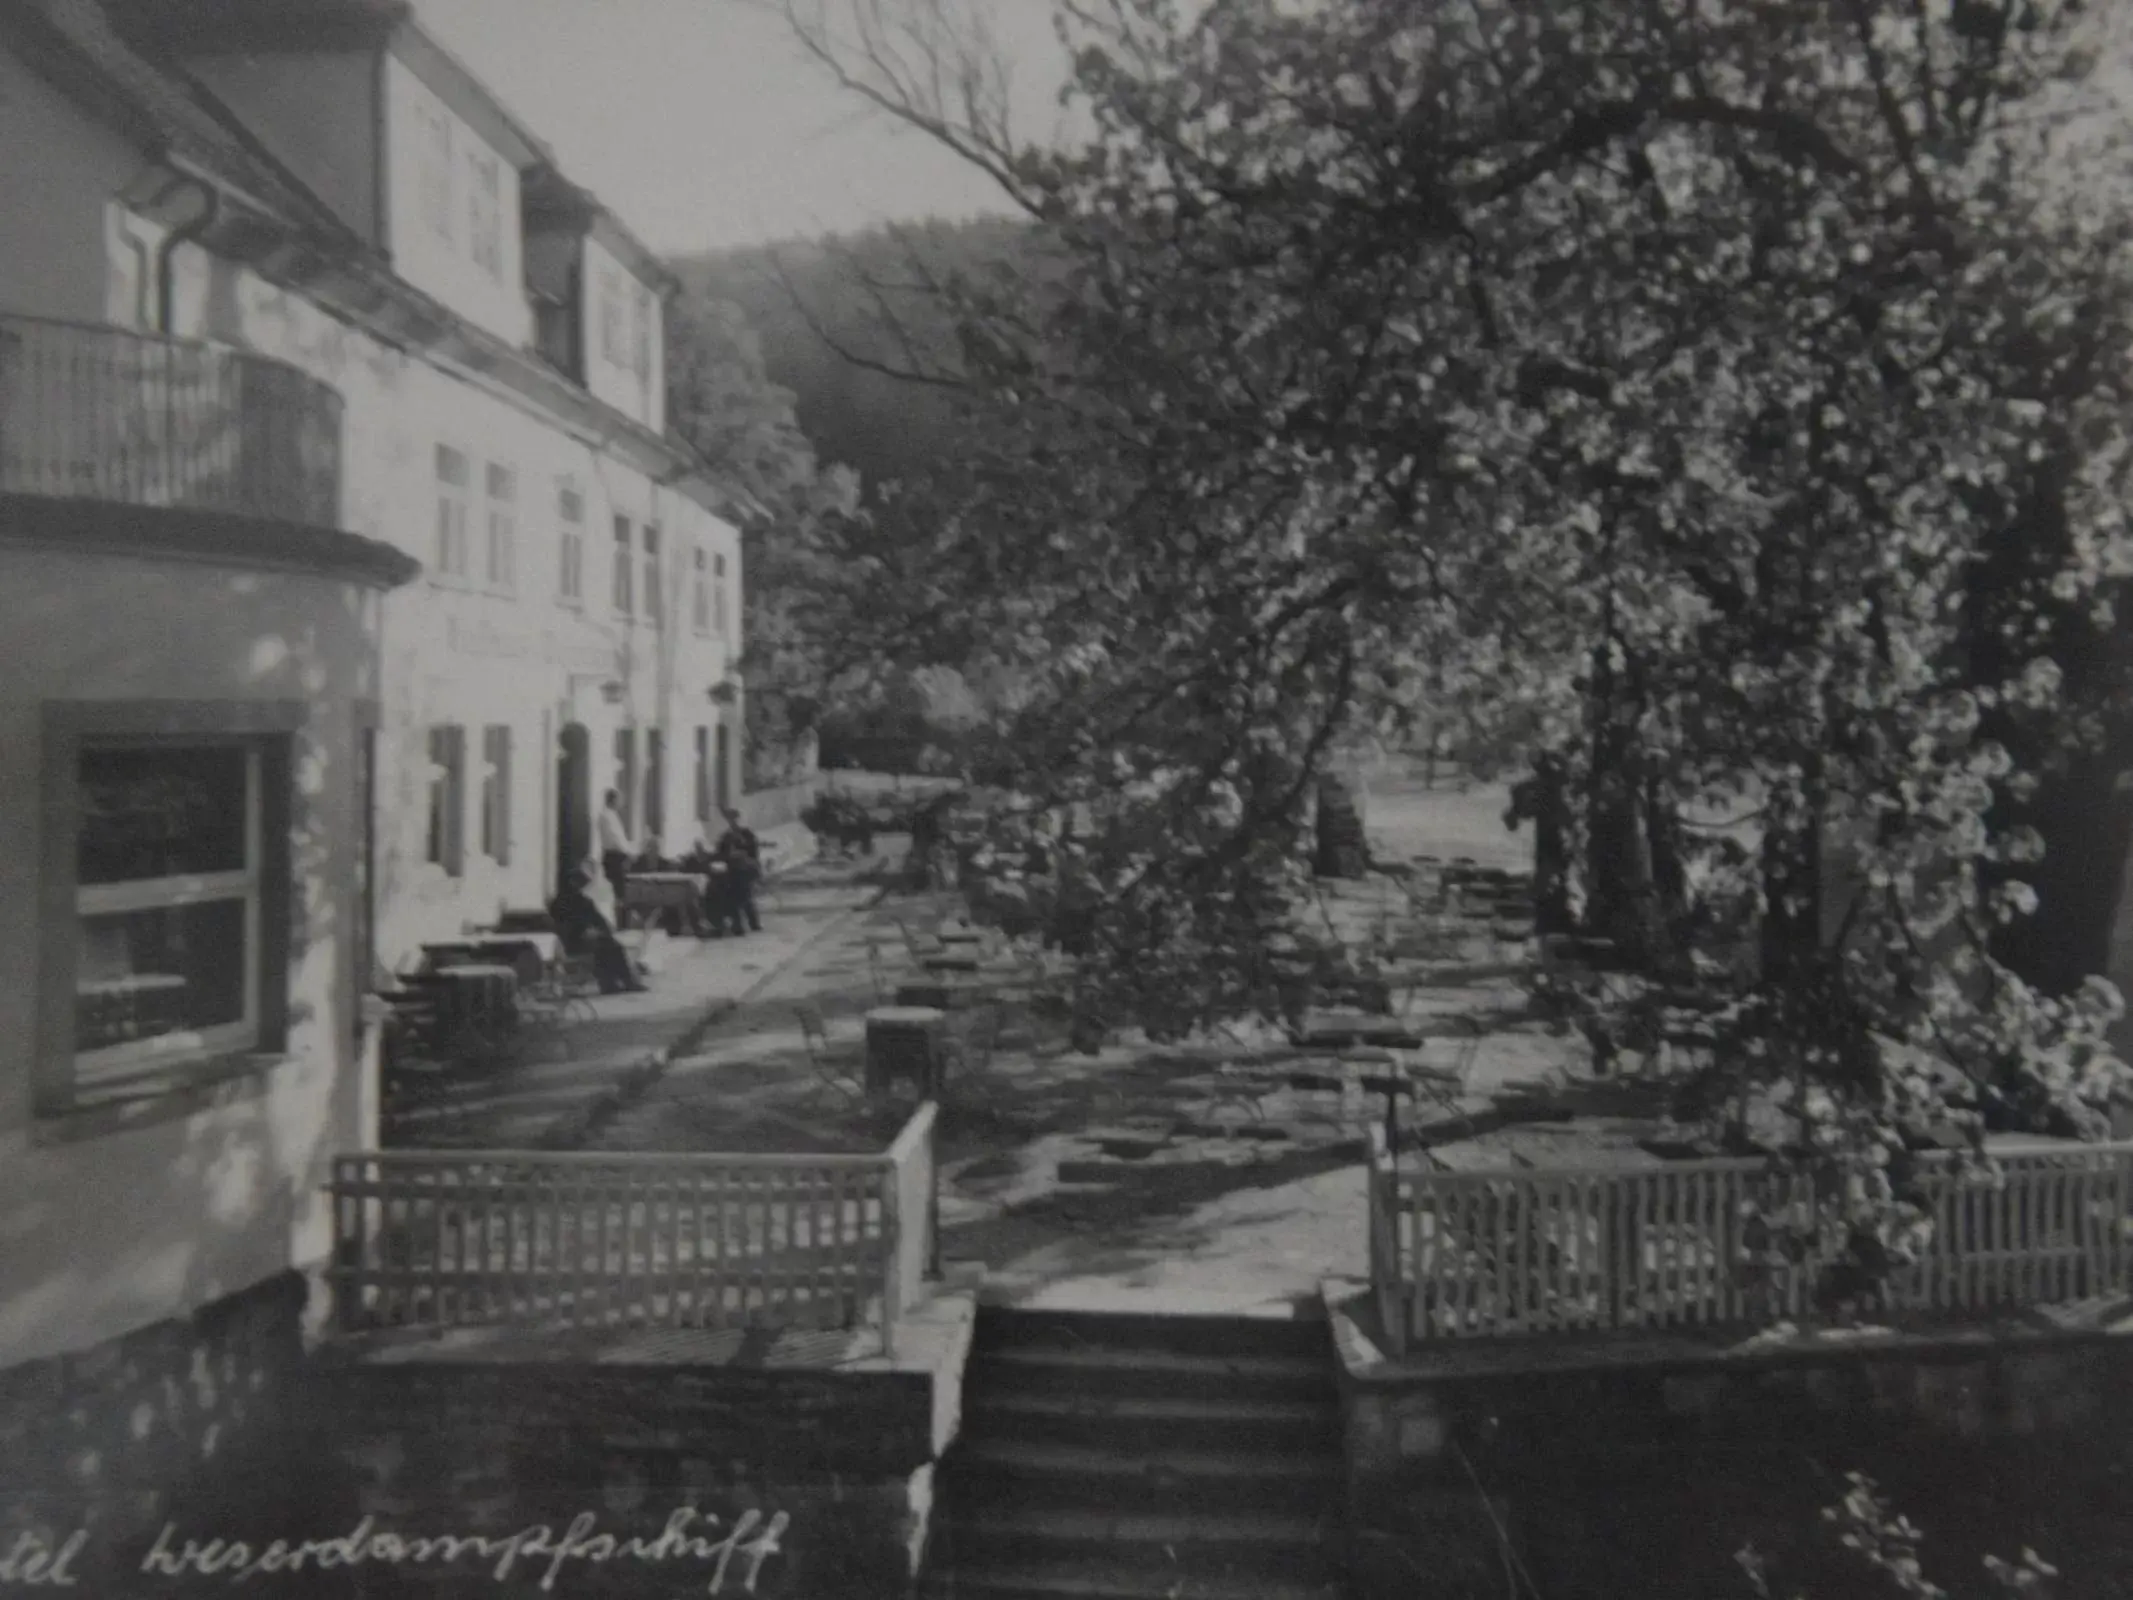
(344, 562)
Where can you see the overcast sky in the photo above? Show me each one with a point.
(701, 124)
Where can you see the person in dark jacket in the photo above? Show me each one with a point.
(742, 853)
(585, 931)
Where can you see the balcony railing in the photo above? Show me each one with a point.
(89, 413)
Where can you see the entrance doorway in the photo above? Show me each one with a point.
(573, 800)
(725, 767)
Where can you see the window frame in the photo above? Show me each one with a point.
(176, 1079)
(622, 588)
(455, 500)
(655, 588)
(721, 618)
(570, 544)
(439, 185)
(485, 212)
(700, 595)
(502, 528)
(495, 838)
(445, 819)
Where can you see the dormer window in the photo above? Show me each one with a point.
(437, 171)
(613, 343)
(485, 212)
(641, 332)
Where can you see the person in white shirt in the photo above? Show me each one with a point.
(616, 851)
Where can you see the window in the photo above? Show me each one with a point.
(700, 595)
(485, 212)
(496, 794)
(612, 343)
(452, 486)
(624, 558)
(626, 775)
(570, 574)
(703, 775)
(503, 528)
(720, 622)
(655, 783)
(448, 789)
(641, 334)
(168, 904)
(436, 187)
(654, 589)
(136, 302)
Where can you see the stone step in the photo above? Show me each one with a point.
(1291, 1549)
(1004, 1474)
(1110, 1582)
(1129, 1424)
(1184, 1374)
(999, 1327)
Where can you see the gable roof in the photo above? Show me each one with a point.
(74, 44)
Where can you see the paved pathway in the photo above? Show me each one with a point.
(1229, 1208)
(695, 984)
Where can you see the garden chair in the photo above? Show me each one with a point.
(814, 1034)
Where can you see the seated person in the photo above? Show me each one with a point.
(584, 930)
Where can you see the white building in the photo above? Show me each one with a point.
(291, 307)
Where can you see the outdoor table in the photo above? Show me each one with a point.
(527, 954)
(476, 995)
(939, 994)
(906, 1041)
(647, 892)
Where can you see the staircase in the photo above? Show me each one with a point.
(1114, 1457)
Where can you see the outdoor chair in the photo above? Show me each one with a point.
(1447, 1087)
(814, 1034)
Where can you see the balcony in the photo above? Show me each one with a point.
(107, 415)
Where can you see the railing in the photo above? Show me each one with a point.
(1496, 1254)
(769, 808)
(89, 413)
(454, 1238)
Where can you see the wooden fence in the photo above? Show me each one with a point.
(1495, 1254)
(460, 1238)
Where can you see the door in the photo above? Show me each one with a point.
(725, 767)
(573, 799)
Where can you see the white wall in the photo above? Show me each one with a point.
(641, 397)
(476, 659)
(111, 1231)
(440, 266)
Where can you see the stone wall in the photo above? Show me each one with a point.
(179, 1422)
(1648, 1478)
(793, 1484)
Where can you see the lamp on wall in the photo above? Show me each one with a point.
(724, 692)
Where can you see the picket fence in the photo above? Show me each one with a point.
(1695, 1243)
(442, 1239)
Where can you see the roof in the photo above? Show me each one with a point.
(551, 199)
(74, 42)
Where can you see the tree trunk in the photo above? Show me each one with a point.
(1551, 848)
(1341, 848)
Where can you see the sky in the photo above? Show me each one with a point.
(702, 125)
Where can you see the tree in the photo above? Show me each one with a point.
(1728, 400)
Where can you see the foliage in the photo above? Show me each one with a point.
(1728, 404)
(1884, 1550)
